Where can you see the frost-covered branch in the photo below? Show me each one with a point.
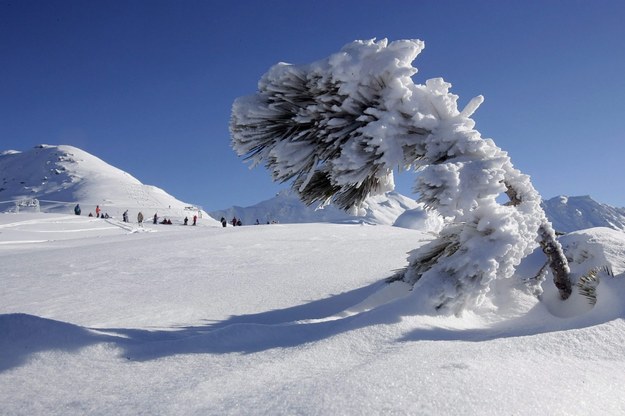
(338, 127)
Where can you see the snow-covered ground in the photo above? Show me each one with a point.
(102, 317)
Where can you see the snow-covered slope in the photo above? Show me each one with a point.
(288, 319)
(286, 207)
(59, 177)
(574, 213)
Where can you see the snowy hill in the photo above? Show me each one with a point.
(574, 213)
(61, 176)
(286, 207)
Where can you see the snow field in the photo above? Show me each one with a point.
(286, 319)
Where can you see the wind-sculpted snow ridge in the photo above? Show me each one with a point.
(339, 126)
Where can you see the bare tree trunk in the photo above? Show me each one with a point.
(557, 261)
(551, 247)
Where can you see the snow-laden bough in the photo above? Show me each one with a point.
(339, 126)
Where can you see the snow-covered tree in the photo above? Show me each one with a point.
(338, 127)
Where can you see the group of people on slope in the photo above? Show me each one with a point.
(186, 220)
(140, 218)
(235, 222)
(165, 221)
(98, 211)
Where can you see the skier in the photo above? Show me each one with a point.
(125, 216)
(223, 222)
(155, 218)
(195, 220)
(140, 219)
(97, 211)
(186, 220)
(77, 209)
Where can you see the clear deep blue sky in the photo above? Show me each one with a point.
(147, 86)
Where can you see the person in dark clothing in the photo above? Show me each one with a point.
(195, 220)
(77, 209)
(186, 220)
(155, 218)
(223, 222)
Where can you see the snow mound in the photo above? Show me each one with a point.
(420, 219)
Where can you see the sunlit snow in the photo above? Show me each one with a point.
(102, 317)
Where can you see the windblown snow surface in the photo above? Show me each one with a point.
(100, 317)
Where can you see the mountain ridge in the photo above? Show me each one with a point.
(573, 213)
(286, 207)
(61, 176)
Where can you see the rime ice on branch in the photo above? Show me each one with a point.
(339, 126)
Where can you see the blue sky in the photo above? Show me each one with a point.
(147, 86)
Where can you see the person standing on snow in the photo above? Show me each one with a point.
(125, 216)
(77, 209)
(195, 220)
(97, 211)
(155, 218)
(140, 219)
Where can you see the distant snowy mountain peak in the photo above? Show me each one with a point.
(286, 207)
(61, 176)
(572, 213)
(566, 213)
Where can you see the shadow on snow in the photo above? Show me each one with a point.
(24, 335)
